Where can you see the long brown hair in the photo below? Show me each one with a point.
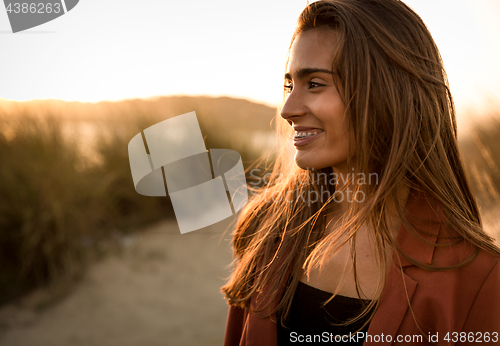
(390, 75)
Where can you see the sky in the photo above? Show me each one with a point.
(122, 49)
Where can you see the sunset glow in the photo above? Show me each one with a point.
(115, 50)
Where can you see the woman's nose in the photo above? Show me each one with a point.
(293, 107)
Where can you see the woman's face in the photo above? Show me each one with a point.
(313, 106)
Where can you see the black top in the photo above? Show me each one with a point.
(310, 323)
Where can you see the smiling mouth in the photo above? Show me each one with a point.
(305, 134)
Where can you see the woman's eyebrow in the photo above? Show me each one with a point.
(303, 72)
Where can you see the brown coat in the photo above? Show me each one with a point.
(464, 301)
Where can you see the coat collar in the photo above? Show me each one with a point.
(415, 244)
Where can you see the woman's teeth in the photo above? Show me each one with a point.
(303, 134)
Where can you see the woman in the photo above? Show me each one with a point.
(371, 233)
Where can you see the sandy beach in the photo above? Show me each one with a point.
(162, 288)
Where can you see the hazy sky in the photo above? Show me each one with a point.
(117, 49)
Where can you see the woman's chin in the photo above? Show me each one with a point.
(309, 164)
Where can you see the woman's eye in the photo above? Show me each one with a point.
(310, 85)
(313, 85)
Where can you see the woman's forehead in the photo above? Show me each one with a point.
(312, 49)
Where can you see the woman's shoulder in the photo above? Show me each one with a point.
(430, 239)
(438, 256)
(452, 283)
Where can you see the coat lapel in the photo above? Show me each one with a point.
(399, 290)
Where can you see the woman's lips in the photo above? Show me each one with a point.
(302, 138)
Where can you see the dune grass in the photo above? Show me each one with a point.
(481, 153)
(59, 205)
(67, 192)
